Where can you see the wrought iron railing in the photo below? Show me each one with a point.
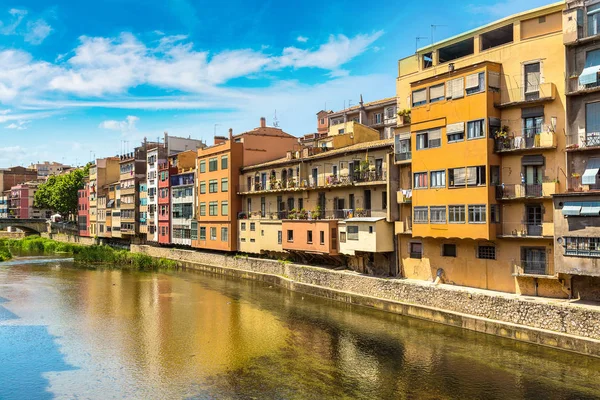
(534, 267)
(516, 191)
(403, 156)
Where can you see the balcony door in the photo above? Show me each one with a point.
(367, 199)
(532, 77)
(322, 204)
(379, 169)
(533, 260)
(314, 176)
(533, 219)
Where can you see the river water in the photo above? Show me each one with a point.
(71, 333)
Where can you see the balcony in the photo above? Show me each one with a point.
(517, 97)
(368, 235)
(404, 196)
(583, 142)
(312, 215)
(401, 158)
(310, 236)
(526, 190)
(293, 184)
(543, 268)
(403, 227)
(525, 140)
(544, 230)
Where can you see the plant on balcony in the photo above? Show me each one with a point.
(303, 214)
(291, 183)
(360, 212)
(316, 214)
(572, 146)
(405, 115)
(576, 175)
(293, 214)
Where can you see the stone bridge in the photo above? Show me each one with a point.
(29, 226)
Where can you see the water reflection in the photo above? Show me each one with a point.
(194, 335)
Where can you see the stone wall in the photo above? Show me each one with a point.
(62, 237)
(564, 318)
(11, 235)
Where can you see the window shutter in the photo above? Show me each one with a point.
(436, 91)
(435, 134)
(404, 136)
(419, 96)
(472, 176)
(459, 177)
(449, 89)
(494, 80)
(458, 88)
(472, 81)
(455, 128)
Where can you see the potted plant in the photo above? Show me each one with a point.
(292, 213)
(303, 214)
(404, 116)
(360, 212)
(316, 214)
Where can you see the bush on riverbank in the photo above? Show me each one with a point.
(87, 254)
(5, 254)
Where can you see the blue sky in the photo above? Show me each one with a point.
(81, 78)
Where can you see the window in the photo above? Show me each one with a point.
(213, 186)
(456, 214)
(420, 180)
(263, 207)
(582, 246)
(322, 121)
(224, 162)
(532, 80)
(494, 213)
(420, 216)
(213, 208)
(438, 179)
(213, 233)
(243, 226)
(224, 208)
(202, 166)
(456, 50)
(390, 112)
(224, 185)
(448, 250)
(384, 200)
(477, 214)
(455, 88)
(455, 132)
(309, 237)
(486, 252)
(457, 177)
(340, 132)
(212, 164)
(224, 234)
(475, 83)
(497, 37)
(371, 229)
(202, 187)
(322, 237)
(342, 237)
(437, 93)
(476, 176)
(290, 235)
(378, 118)
(494, 175)
(202, 209)
(352, 232)
(429, 139)
(438, 214)
(419, 97)
(592, 122)
(475, 129)
(194, 231)
(593, 19)
(416, 250)
(262, 232)
(252, 226)
(279, 239)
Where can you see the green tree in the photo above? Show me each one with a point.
(59, 193)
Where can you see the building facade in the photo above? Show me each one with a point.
(165, 170)
(183, 197)
(486, 109)
(46, 169)
(380, 115)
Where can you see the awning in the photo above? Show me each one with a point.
(589, 75)
(110, 204)
(591, 170)
(455, 128)
(571, 209)
(532, 160)
(590, 209)
(364, 219)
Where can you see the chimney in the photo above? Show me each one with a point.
(263, 122)
(231, 132)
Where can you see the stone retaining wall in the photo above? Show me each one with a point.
(482, 307)
(62, 237)
(11, 235)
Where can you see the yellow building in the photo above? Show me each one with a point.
(484, 150)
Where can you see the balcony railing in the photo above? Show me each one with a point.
(274, 185)
(532, 94)
(312, 215)
(526, 230)
(591, 139)
(524, 190)
(533, 267)
(528, 138)
(407, 156)
(322, 181)
(573, 85)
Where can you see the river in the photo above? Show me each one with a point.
(69, 332)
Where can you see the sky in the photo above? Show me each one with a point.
(83, 79)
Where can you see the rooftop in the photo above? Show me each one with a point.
(367, 105)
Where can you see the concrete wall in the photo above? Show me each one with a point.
(552, 324)
(61, 237)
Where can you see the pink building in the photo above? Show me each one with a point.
(83, 211)
(21, 202)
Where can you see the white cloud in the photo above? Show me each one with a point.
(19, 125)
(34, 32)
(302, 39)
(127, 125)
(37, 31)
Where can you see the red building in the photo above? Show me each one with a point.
(21, 199)
(83, 211)
(165, 170)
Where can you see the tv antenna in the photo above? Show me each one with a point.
(275, 120)
(417, 42)
(433, 28)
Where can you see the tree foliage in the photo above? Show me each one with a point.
(59, 193)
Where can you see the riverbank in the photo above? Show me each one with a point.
(547, 322)
(83, 253)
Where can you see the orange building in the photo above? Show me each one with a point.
(217, 175)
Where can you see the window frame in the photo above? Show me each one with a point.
(224, 162)
(491, 255)
(440, 211)
(482, 208)
(457, 210)
(445, 247)
(420, 209)
(213, 164)
(482, 130)
(431, 178)
(415, 180)
(352, 235)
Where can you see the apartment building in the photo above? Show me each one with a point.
(165, 171)
(143, 208)
(113, 217)
(83, 209)
(329, 206)
(217, 167)
(103, 170)
(157, 153)
(577, 211)
(21, 201)
(483, 114)
(183, 197)
(380, 115)
(14, 176)
(4, 204)
(132, 168)
(101, 200)
(47, 168)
